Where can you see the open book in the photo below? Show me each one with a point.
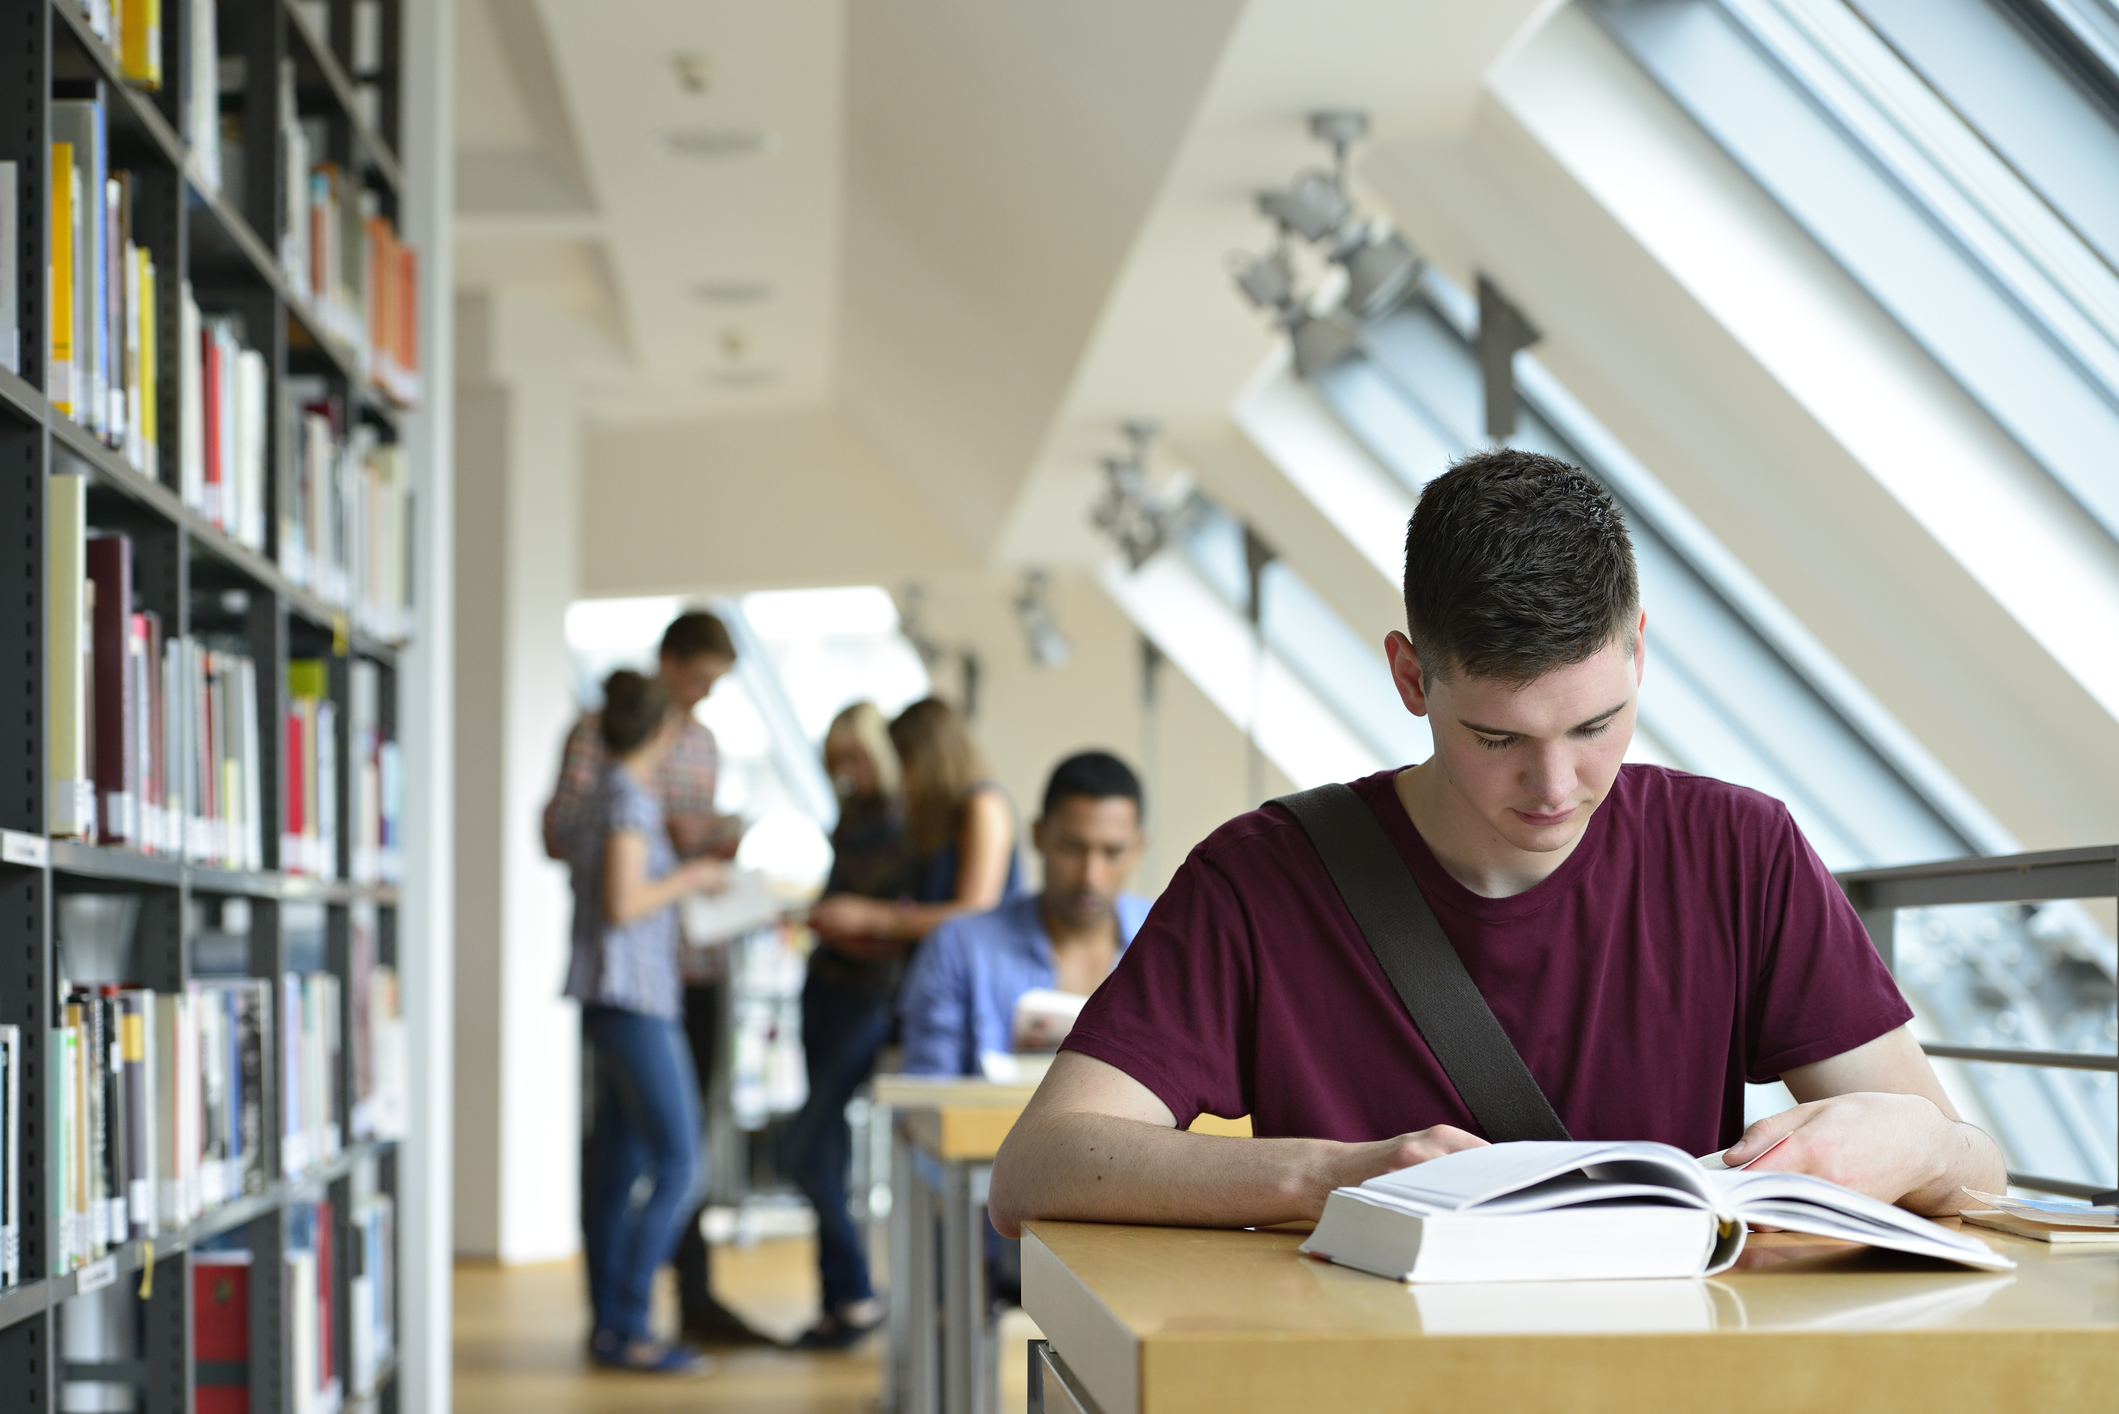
(1539, 1211)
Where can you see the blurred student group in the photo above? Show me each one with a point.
(918, 947)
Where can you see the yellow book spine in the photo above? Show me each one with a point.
(140, 43)
(150, 435)
(59, 375)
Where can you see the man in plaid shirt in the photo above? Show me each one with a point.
(696, 653)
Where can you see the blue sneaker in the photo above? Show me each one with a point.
(651, 1357)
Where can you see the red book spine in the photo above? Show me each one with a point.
(210, 420)
(220, 1333)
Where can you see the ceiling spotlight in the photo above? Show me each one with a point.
(1033, 610)
(1266, 280)
(1380, 270)
(711, 144)
(1340, 129)
(732, 291)
(1314, 206)
(1321, 340)
(1128, 513)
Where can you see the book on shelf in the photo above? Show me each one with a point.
(371, 1284)
(1557, 1211)
(226, 448)
(10, 254)
(316, 1379)
(376, 1042)
(374, 778)
(156, 1109)
(309, 775)
(151, 742)
(77, 126)
(311, 1130)
(11, 1062)
(220, 1330)
(104, 352)
(61, 286)
(202, 107)
(69, 664)
(345, 513)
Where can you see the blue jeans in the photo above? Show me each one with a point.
(842, 1029)
(647, 1124)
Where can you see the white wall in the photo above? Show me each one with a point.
(517, 1047)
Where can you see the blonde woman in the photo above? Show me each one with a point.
(902, 867)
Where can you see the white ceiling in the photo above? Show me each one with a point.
(988, 232)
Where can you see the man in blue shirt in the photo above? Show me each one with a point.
(960, 998)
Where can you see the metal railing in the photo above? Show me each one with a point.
(2044, 877)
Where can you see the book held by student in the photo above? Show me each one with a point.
(1555, 1211)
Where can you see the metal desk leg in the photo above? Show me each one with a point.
(963, 1291)
(1053, 1387)
(897, 1348)
(989, 1350)
(923, 1385)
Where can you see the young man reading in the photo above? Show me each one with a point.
(959, 1002)
(1649, 940)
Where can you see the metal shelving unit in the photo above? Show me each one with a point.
(198, 579)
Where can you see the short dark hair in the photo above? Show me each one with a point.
(1515, 564)
(697, 634)
(1096, 774)
(633, 709)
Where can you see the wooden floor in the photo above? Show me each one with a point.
(520, 1334)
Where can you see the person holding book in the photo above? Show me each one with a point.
(958, 1012)
(961, 859)
(1648, 941)
(696, 653)
(627, 880)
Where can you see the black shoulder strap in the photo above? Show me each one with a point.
(1423, 966)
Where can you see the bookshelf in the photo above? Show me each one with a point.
(268, 517)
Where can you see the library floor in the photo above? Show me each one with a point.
(520, 1333)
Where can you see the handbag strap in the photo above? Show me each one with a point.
(1401, 929)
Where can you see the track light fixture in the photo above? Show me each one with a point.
(1033, 610)
(1381, 269)
(1128, 512)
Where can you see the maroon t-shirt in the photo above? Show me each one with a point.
(1693, 941)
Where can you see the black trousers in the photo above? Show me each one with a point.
(693, 1262)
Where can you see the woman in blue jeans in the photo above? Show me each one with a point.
(891, 885)
(627, 881)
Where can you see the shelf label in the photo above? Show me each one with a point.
(19, 848)
(96, 1275)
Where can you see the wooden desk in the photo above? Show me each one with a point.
(1172, 1320)
(944, 1135)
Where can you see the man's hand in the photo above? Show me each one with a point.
(1358, 1163)
(1095, 1145)
(1887, 1146)
(1876, 1120)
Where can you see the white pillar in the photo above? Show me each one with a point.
(518, 441)
(425, 957)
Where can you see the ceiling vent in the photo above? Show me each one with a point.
(720, 144)
(732, 292)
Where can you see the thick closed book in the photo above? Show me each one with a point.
(1547, 1211)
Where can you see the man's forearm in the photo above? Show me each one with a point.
(1969, 1159)
(1101, 1168)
